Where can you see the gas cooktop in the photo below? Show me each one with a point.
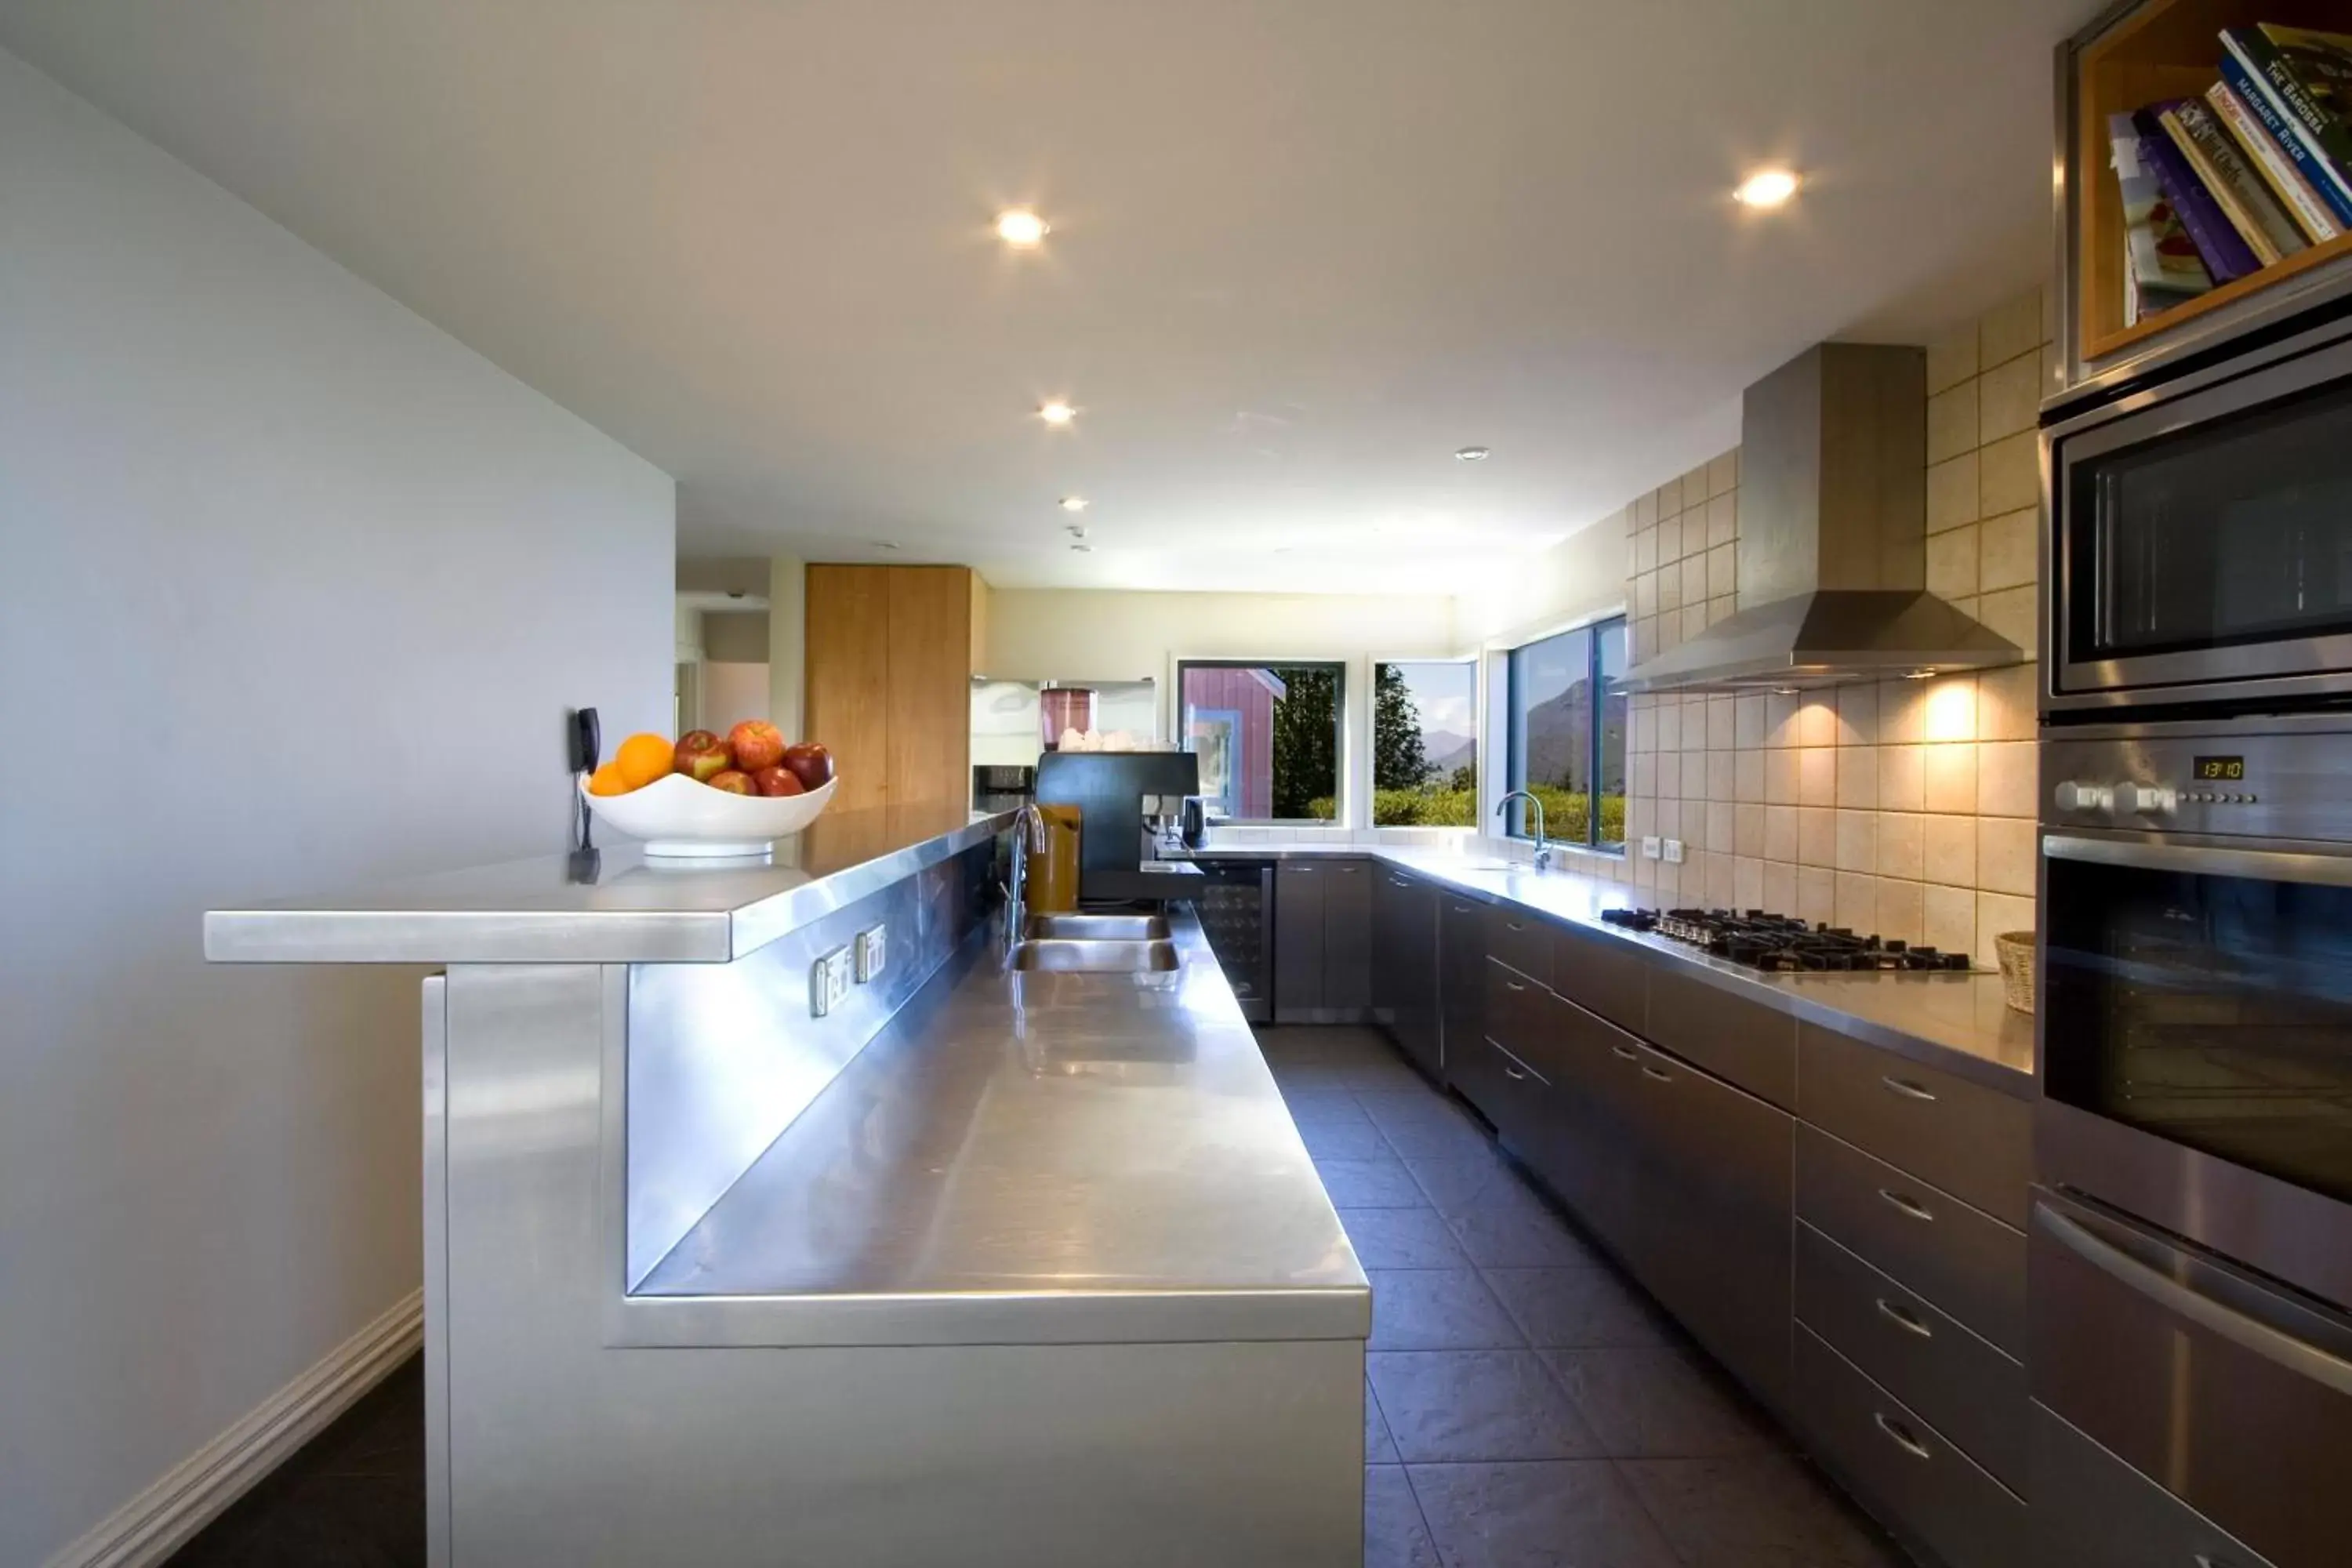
(1783, 943)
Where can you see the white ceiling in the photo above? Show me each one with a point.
(1302, 249)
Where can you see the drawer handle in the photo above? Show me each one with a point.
(1399, 882)
(2207, 1560)
(1625, 1053)
(1901, 1436)
(1465, 908)
(1513, 985)
(1909, 1205)
(1904, 1317)
(1658, 1073)
(1513, 1071)
(1907, 1088)
(1514, 925)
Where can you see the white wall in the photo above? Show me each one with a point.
(1044, 634)
(294, 591)
(1580, 577)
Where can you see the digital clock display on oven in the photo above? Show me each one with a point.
(2231, 769)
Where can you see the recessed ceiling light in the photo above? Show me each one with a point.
(1073, 503)
(1920, 675)
(1056, 412)
(1766, 188)
(1472, 455)
(885, 544)
(1077, 530)
(1021, 228)
(1084, 549)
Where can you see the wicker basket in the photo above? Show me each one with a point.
(2016, 949)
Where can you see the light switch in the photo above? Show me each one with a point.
(871, 951)
(1673, 848)
(1650, 847)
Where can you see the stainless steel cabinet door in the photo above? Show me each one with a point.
(1593, 1158)
(1348, 935)
(1298, 938)
(1462, 973)
(1717, 1215)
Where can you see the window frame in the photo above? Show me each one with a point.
(1512, 774)
(1338, 667)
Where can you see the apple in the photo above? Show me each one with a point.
(810, 762)
(778, 780)
(701, 755)
(734, 780)
(756, 744)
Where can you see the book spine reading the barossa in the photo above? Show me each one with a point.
(2254, 212)
(2285, 61)
(2227, 255)
(2285, 136)
(2302, 203)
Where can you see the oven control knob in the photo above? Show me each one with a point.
(2146, 800)
(2087, 797)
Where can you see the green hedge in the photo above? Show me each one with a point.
(1564, 812)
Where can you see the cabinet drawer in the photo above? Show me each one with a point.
(1918, 1484)
(1601, 976)
(1516, 1016)
(1740, 1041)
(2098, 1512)
(1968, 1264)
(1521, 940)
(1962, 1385)
(1975, 1143)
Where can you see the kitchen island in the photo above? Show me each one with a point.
(981, 1266)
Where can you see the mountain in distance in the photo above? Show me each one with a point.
(1448, 751)
(1559, 737)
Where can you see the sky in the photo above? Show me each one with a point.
(1446, 695)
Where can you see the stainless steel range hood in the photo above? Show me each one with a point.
(1833, 553)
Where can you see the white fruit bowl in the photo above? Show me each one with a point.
(682, 819)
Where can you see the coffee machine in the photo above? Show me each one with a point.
(1130, 813)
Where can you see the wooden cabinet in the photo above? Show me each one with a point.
(2127, 59)
(889, 681)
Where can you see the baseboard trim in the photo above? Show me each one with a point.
(198, 1490)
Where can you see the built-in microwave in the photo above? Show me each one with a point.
(2200, 550)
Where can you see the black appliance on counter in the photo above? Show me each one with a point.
(1195, 821)
(2190, 1295)
(1123, 798)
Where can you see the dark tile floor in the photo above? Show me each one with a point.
(1527, 1406)
(353, 1497)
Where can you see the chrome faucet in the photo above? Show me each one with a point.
(1543, 850)
(1028, 829)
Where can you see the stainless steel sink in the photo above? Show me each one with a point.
(1099, 928)
(1090, 955)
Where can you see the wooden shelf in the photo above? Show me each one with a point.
(2166, 49)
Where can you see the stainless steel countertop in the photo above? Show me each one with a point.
(1956, 1021)
(625, 910)
(1027, 1157)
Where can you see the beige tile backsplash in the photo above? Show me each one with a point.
(1903, 807)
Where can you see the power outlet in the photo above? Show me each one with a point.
(1650, 847)
(1673, 848)
(872, 949)
(829, 982)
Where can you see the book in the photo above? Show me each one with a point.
(2227, 255)
(2161, 265)
(2303, 204)
(2240, 192)
(2308, 75)
(2285, 134)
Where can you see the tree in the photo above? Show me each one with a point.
(1306, 740)
(1398, 759)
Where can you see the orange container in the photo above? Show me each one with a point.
(1052, 871)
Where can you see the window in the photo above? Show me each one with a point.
(1425, 745)
(1568, 735)
(1267, 736)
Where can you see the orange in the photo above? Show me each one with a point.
(641, 760)
(609, 780)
